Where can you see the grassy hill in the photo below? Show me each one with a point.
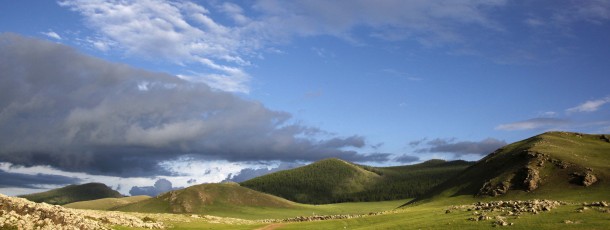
(74, 193)
(334, 180)
(106, 203)
(205, 198)
(553, 165)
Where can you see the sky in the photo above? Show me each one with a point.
(153, 95)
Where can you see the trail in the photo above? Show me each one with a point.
(271, 226)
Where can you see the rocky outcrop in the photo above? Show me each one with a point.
(532, 179)
(23, 214)
(585, 178)
(491, 189)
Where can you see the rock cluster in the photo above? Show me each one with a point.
(605, 138)
(23, 214)
(585, 178)
(602, 206)
(499, 211)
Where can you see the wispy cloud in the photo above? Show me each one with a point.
(52, 34)
(535, 123)
(179, 32)
(589, 106)
(185, 32)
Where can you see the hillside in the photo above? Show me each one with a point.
(74, 193)
(106, 203)
(205, 198)
(334, 180)
(553, 165)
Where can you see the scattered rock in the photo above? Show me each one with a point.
(510, 208)
(20, 213)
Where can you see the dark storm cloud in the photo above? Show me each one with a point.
(483, 147)
(78, 113)
(21, 180)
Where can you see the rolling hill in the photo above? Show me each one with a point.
(552, 165)
(205, 198)
(73, 193)
(106, 203)
(334, 180)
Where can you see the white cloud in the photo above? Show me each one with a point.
(178, 32)
(52, 34)
(589, 106)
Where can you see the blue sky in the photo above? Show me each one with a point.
(378, 82)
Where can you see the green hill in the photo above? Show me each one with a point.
(206, 198)
(553, 165)
(334, 180)
(106, 203)
(73, 193)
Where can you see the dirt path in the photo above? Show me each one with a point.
(270, 227)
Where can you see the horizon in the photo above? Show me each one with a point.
(132, 93)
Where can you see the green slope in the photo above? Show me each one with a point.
(552, 165)
(106, 203)
(334, 180)
(73, 193)
(206, 198)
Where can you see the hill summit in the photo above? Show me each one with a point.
(334, 180)
(546, 165)
(74, 193)
(204, 198)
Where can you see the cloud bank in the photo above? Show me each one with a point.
(461, 148)
(8, 179)
(78, 113)
(161, 186)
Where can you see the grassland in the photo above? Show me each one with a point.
(106, 203)
(430, 215)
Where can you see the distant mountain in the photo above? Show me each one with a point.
(106, 203)
(334, 180)
(205, 198)
(551, 165)
(74, 193)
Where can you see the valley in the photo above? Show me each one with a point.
(552, 180)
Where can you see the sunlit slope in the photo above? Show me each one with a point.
(205, 198)
(74, 193)
(553, 165)
(106, 203)
(334, 180)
